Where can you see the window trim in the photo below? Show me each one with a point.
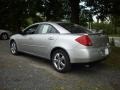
(27, 28)
(46, 33)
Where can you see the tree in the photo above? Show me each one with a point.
(104, 8)
(85, 16)
(13, 13)
(53, 10)
(75, 10)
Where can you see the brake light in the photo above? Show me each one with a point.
(84, 40)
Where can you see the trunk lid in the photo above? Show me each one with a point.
(99, 39)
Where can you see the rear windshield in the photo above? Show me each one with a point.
(74, 28)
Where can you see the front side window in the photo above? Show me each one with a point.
(31, 30)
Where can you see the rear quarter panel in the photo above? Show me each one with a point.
(78, 51)
(67, 42)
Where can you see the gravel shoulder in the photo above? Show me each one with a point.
(33, 73)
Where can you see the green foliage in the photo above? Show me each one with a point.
(15, 14)
(103, 8)
(53, 10)
(75, 10)
(107, 27)
(85, 16)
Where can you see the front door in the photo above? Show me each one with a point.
(26, 39)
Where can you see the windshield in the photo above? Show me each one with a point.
(74, 28)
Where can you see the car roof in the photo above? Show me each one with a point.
(55, 24)
(50, 22)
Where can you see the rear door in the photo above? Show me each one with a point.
(43, 40)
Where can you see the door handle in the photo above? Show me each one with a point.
(51, 38)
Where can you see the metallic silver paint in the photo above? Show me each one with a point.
(43, 44)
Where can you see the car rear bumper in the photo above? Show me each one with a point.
(88, 54)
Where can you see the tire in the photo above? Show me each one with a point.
(61, 61)
(4, 36)
(13, 48)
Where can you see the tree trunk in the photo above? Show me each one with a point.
(75, 10)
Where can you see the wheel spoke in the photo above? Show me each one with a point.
(57, 55)
(62, 64)
(59, 66)
(55, 60)
(13, 48)
(62, 58)
(59, 61)
(4, 36)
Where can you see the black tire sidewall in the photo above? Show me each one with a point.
(67, 61)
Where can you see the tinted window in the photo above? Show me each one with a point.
(39, 29)
(31, 30)
(52, 30)
(74, 28)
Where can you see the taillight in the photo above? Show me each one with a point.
(84, 40)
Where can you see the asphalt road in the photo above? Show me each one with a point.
(25, 72)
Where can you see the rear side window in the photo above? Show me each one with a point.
(46, 28)
(74, 28)
(52, 30)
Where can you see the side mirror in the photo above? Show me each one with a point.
(21, 32)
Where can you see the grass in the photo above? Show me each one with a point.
(114, 35)
(58, 88)
(114, 58)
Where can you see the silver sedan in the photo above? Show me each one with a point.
(62, 43)
(4, 34)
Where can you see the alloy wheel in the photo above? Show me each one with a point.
(13, 48)
(59, 61)
(4, 36)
